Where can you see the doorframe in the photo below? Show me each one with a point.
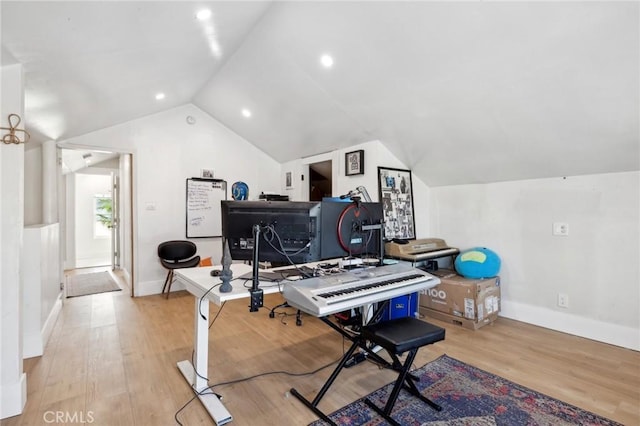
(79, 178)
(133, 274)
(116, 251)
(327, 156)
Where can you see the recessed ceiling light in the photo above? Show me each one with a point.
(326, 61)
(203, 14)
(159, 96)
(246, 113)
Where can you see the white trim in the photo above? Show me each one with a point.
(13, 397)
(47, 328)
(614, 334)
(148, 288)
(34, 344)
(31, 345)
(127, 277)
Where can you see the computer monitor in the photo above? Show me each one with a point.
(289, 230)
(344, 229)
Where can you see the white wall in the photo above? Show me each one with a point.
(596, 264)
(33, 186)
(125, 228)
(67, 229)
(166, 151)
(375, 154)
(42, 294)
(13, 382)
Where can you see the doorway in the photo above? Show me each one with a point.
(320, 180)
(96, 211)
(93, 219)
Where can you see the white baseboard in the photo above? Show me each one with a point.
(47, 329)
(32, 346)
(148, 288)
(618, 335)
(13, 397)
(127, 275)
(34, 343)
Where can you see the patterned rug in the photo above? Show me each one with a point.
(468, 396)
(90, 283)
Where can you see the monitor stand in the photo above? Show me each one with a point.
(257, 296)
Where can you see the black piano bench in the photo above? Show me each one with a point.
(398, 336)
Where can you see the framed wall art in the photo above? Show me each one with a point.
(354, 163)
(396, 195)
(206, 173)
(288, 180)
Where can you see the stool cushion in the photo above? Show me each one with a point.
(403, 334)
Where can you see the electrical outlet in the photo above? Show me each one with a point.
(560, 229)
(563, 300)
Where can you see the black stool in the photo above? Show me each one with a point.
(398, 336)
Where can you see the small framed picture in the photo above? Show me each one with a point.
(206, 173)
(288, 183)
(354, 163)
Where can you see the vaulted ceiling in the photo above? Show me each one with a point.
(462, 92)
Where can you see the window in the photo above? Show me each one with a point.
(102, 213)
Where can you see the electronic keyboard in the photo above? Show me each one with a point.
(421, 249)
(329, 294)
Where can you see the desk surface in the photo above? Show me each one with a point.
(199, 280)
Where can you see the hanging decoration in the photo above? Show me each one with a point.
(11, 137)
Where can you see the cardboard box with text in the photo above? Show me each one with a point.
(471, 299)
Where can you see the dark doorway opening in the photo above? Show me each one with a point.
(320, 182)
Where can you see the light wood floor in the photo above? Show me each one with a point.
(114, 357)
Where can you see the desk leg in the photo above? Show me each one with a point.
(209, 400)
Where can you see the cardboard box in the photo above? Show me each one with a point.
(451, 319)
(469, 299)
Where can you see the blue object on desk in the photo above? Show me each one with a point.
(240, 191)
(401, 307)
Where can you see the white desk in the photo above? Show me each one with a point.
(197, 281)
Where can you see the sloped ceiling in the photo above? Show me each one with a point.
(462, 92)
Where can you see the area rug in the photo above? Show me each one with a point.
(91, 283)
(468, 396)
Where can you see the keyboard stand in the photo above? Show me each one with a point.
(356, 343)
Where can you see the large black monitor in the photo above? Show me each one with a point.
(345, 229)
(289, 230)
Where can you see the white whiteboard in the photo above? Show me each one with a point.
(203, 207)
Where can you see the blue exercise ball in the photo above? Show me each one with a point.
(478, 262)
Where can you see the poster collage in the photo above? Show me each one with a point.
(396, 195)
